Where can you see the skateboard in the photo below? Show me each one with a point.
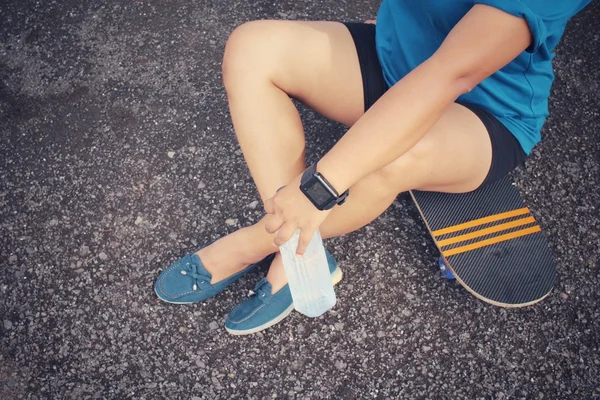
(490, 242)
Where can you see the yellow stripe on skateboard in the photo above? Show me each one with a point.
(494, 240)
(481, 221)
(487, 231)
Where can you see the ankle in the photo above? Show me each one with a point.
(244, 246)
(276, 275)
(260, 243)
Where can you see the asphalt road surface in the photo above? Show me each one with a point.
(117, 156)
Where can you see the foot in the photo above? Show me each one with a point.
(187, 281)
(197, 277)
(268, 306)
(233, 253)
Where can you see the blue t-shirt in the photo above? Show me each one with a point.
(410, 31)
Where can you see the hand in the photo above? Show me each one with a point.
(290, 210)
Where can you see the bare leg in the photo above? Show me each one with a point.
(265, 63)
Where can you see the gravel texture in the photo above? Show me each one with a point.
(117, 156)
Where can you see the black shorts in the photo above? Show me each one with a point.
(507, 153)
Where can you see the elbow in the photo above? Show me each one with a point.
(459, 85)
(460, 77)
(464, 84)
(463, 78)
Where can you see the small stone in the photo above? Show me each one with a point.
(231, 222)
(297, 365)
(171, 154)
(339, 326)
(196, 398)
(192, 149)
(406, 313)
(380, 334)
(80, 270)
(53, 222)
(564, 296)
(200, 363)
(253, 205)
(84, 250)
(103, 256)
(173, 236)
(13, 258)
(201, 185)
(340, 365)
(7, 324)
(139, 220)
(426, 348)
(182, 329)
(213, 325)
(216, 383)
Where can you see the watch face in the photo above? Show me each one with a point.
(319, 193)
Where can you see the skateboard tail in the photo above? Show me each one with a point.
(491, 243)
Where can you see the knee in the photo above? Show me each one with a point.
(424, 150)
(389, 176)
(398, 169)
(245, 51)
(409, 170)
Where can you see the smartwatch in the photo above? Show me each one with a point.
(319, 191)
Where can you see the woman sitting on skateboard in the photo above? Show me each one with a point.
(441, 95)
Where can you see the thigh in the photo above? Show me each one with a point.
(314, 62)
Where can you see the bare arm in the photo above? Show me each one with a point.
(485, 40)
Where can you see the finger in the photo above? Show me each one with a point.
(305, 237)
(285, 233)
(269, 206)
(273, 223)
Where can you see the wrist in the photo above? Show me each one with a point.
(336, 178)
(317, 188)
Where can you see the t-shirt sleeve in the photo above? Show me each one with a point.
(522, 10)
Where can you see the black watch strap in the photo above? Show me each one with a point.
(308, 173)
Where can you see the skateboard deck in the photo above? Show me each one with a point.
(491, 242)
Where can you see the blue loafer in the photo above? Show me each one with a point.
(187, 281)
(263, 309)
